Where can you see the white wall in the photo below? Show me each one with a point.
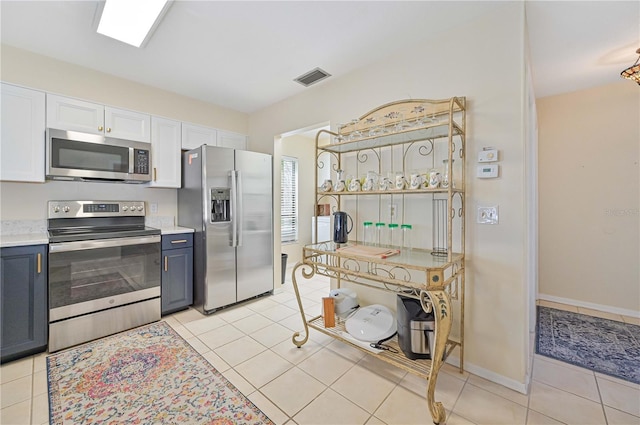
(484, 61)
(590, 198)
(50, 75)
(27, 201)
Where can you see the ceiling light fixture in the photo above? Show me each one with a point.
(131, 21)
(633, 72)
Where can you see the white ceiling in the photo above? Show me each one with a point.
(244, 54)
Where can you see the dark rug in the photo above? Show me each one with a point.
(602, 345)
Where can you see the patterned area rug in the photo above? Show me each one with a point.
(602, 345)
(148, 375)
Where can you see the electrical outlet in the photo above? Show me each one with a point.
(487, 215)
(154, 208)
(392, 210)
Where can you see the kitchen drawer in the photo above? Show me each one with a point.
(179, 240)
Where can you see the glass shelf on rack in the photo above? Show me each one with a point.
(419, 259)
(430, 131)
(390, 192)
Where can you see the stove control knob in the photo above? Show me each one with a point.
(140, 208)
(65, 209)
(56, 209)
(125, 208)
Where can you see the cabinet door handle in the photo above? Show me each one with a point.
(179, 241)
(166, 263)
(155, 174)
(108, 129)
(100, 128)
(39, 263)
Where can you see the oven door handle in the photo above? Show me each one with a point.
(102, 243)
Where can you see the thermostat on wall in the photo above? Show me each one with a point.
(487, 171)
(488, 155)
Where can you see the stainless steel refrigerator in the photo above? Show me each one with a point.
(227, 197)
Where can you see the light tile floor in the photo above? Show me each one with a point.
(328, 382)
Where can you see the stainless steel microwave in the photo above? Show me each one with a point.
(91, 157)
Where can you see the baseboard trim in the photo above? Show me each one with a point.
(593, 306)
(520, 387)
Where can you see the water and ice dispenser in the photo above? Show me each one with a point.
(220, 204)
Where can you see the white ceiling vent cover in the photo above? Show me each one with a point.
(312, 77)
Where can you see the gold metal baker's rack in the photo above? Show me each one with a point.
(432, 279)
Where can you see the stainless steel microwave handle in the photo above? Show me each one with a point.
(102, 243)
(131, 158)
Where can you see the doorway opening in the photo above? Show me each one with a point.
(298, 145)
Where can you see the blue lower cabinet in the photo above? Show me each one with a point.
(177, 272)
(23, 301)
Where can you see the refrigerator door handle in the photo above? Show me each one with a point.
(234, 209)
(239, 210)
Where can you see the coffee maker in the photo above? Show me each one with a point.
(415, 328)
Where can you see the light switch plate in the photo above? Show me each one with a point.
(488, 215)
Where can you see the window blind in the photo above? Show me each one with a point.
(289, 199)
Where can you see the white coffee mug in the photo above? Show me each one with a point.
(339, 186)
(385, 183)
(434, 179)
(401, 182)
(368, 184)
(354, 185)
(416, 181)
(327, 185)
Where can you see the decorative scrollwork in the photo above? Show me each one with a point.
(425, 302)
(321, 164)
(426, 150)
(308, 271)
(351, 264)
(328, 195)
(363, 157)
(400, 273)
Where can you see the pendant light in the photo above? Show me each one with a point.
(633, 72)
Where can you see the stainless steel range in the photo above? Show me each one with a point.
(104, 270)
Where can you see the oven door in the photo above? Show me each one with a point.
(93, 275)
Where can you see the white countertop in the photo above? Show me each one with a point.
(42, 238)
(23, 239)
(172, 230)
(33, 233)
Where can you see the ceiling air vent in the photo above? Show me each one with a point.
(312, 77)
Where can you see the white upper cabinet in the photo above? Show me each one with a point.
(194, 136)
(228, 139)
(75, 115)
(23, 134)
(165, 152)
(127, 125)
(66, 113)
